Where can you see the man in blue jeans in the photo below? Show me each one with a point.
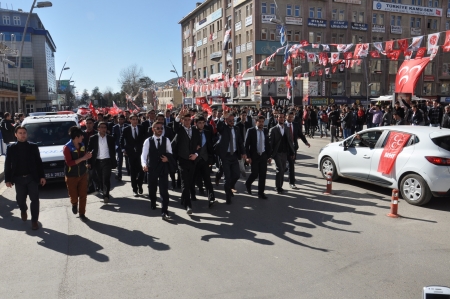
(24, 169)
(322, 117)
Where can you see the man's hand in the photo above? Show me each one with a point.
(164, 159)
(269, 161)
(308, 145)
(226, 114)
(87, 156)
(43, 181)
(9, 184)
(198, 147)
(192, 157)
(145, 168)
(244, 157)
(88, 166)
(249, 160)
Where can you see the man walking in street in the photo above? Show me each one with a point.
(24, 169)
(333, 117)
(231, 148)
(257, 146)
(76, 172)
(103, 160)
(282, 145)
(91, 177)
(131, 142)
(155, 160)
(117, 132)
(435, 115)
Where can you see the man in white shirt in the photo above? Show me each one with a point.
(155, 158)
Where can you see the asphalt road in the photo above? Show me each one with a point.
(301, 244)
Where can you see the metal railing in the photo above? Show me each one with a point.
(13, 87)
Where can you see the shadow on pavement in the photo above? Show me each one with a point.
(131, 238)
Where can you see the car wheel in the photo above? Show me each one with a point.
(415, 190)
(327, 165)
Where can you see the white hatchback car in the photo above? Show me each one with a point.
(421, 170)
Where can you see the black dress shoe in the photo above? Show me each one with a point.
(194, 198)
(75, 209)
(293, 186)
(249, 189)
(228, 201)
(166, 217)
(135, 194)
(153, 207)
(119, 178)
(211, 203)
(106, 199)
(83, 217)
(141, 191)
(262, 196)
(24, 215)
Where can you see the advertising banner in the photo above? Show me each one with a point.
(408, 9)
(393, 147)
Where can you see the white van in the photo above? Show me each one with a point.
(51, 133)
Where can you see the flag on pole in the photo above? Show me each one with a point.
(283, 35)
(93, 112)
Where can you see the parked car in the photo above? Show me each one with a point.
(421, 170)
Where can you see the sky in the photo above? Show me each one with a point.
(99, 38)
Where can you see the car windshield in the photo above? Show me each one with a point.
(443, 142)
(47, 134)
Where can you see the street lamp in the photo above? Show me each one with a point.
(367, 93)
(19, 66)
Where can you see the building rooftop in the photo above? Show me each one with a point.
(197, 8)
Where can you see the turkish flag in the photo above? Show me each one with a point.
(205, 107)
(394, 55)
(170, 106)
(93, 112)
(320, 72)
(408, 74)
(403, 44)
(393, 147)
(200, 101)
(389, 46)
(446, 45)
(333, 69)
(375, 54)
(358, 48)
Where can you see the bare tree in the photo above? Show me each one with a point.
(108, 95)
(129, 79)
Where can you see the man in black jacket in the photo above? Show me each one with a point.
(282, 146)
(205, 160)
(231, 148)
(155, 159)
(7, 128)
(117, 132)
(257, 146)
(131, 142)
(333, 118)
(185, 148)
(102, 147)
(24, 169)
(295, 130)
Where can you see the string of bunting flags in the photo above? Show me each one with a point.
(343, 56)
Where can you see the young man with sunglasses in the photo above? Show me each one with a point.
(155, 159)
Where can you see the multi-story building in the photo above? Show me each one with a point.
(255, 36)
(169, 97)
(38, 60)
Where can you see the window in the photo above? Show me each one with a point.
(361, 17)
(212, 69)
(272, 34)
(6, 20)
(246, 11)
(413, 22)
(264, 8)
(418, 22)
(27, 62)
(374, 18)
(273, 9)
(270, 66)
(356, 88)
(341, 15)
(392, 20)
(318, 37)
(337, 88)
(289, 35)
(436, 3)
(334, 38)
(430, 3)
(16, 20)
(238, 65)
(393, 67)
(219, 67)
(297, 11)
(249, 61)
(354, 16)
(375, 88)
(447, 24)
(319, 12)
(429, 69)
(311, 38)
(434, 25)
(312, 12)
(263, 34)
(296, 36)
(357, 68)
(289, 10)
(367, 139)
(334, 14)
(427, 88)
(381, 19)
(445, 88)
(205, 72)
(375, 65)
(399, 21)
(341, 38)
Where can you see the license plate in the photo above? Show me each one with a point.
(54, 175)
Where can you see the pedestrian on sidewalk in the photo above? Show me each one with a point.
(75, 169)
(24, 169)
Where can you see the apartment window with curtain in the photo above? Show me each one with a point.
(289, 10)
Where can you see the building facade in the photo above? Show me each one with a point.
(254, 36)
(169, 97)
(38, 59)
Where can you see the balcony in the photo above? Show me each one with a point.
(13, 87)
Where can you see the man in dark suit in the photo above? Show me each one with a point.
(185, 148)
(90, 131)
(231, 148)
(257, 146)
(282, 146)
(205, 160)
(24, 169)
(295, 131)
(117, 132)
(131, 142)
(102, 147)
(169, 118)
(155, 160)
(243, 125)
(147, 124)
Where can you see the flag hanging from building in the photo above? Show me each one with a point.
(283, 35)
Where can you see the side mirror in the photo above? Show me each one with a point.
(345, 146)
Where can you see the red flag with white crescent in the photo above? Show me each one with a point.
(393, 147)
(420, 53)
(446, 45)
(408, 74)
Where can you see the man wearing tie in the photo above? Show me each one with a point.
(155, 159)
(205, 159)
(282, 146)
(295, 132)
(185, 148)
(131, 142)
(257, 146)
(117, 132)
(169, 118)
(231, 147)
